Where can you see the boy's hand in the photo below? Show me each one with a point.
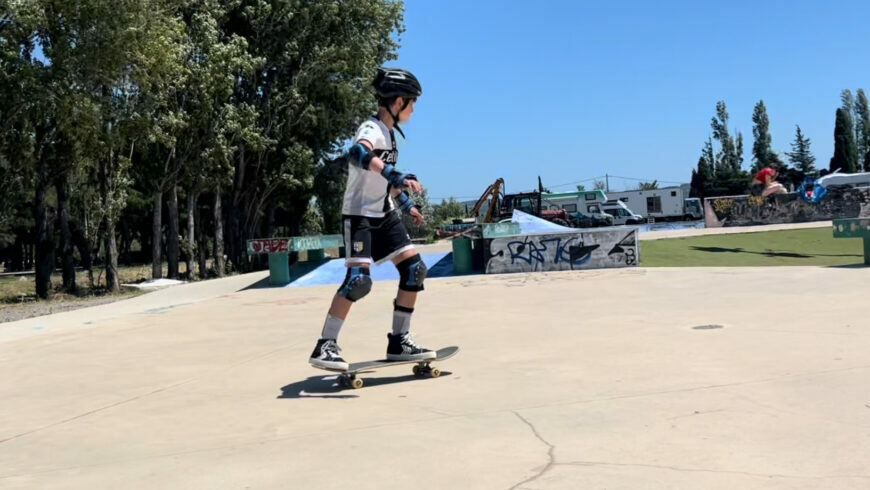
(413, 185)
(418, 217)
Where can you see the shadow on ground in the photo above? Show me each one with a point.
(769, 253)
(326, 386)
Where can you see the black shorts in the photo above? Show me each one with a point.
(368, 240)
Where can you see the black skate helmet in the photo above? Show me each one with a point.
(396, 82)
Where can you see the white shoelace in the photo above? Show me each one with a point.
(409, 341)
(330, 347)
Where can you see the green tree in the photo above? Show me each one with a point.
(427, 229)
(862, 130)
(296, 118)
(447, 211)
(703, 177)
(599, 185)
(648, 186)
(849, 107)
(329, 184)
(848, 101)
(312, 222)
(581, 187)
(728, 159)
(762, 154)
(801, 156)
(845, 155)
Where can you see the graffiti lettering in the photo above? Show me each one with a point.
(722, 205)
(268, 245)
(630, 257)
(562, 251)
(554, 250)
(756, 200)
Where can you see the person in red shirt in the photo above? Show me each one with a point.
(767, 177)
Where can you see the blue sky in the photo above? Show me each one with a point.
(571, 90)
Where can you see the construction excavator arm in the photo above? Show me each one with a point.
(492, 193)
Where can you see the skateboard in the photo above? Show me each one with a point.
(349, 379)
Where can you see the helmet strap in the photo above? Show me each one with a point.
(407, 101)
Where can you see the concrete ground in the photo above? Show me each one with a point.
(611, 379)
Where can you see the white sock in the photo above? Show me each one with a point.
(401, 319)
(331, 327)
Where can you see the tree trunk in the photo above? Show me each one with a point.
(30, 256)
(172, 232)
(126, 243)
(156, 235)
(113, 283)
(85, 250)
(191, 235)
(44, 235)
(202, 248)
(80, 240)
(66, 242)
(234, 214)
(18, 253)
(219, 266)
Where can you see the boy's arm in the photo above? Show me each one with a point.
(361, 155)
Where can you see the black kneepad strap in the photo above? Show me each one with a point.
(412, 272)
(357, 283)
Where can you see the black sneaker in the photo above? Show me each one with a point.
(326, 355)
(402, 348)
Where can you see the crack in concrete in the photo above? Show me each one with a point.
(551, 459)
(707, 470)
(629, 396)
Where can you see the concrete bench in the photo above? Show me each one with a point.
(279, 250)
(854, 228)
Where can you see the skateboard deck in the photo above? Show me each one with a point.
(349, 379)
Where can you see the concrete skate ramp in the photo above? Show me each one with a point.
(544, 246)
(440, 264)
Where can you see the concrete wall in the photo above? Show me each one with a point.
(786, 208)
(598, 249)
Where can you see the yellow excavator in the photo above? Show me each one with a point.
(501, 205)
(495, 194)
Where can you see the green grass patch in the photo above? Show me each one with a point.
(813, 246)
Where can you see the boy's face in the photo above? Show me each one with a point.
(405, 115)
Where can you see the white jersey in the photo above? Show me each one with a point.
(367, 192)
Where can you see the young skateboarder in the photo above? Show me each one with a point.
(373, 229)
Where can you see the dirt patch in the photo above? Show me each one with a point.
(32, 309)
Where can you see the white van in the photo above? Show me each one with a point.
(621, 214)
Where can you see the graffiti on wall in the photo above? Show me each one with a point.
(563, 251)
(786, 208)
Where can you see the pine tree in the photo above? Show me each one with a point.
(862, 130)
(848, 100)
(703, 177)
(709, 158)
(728, 159)
(801, 156)
(845, 156)
(849, 107)
(762, 154)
